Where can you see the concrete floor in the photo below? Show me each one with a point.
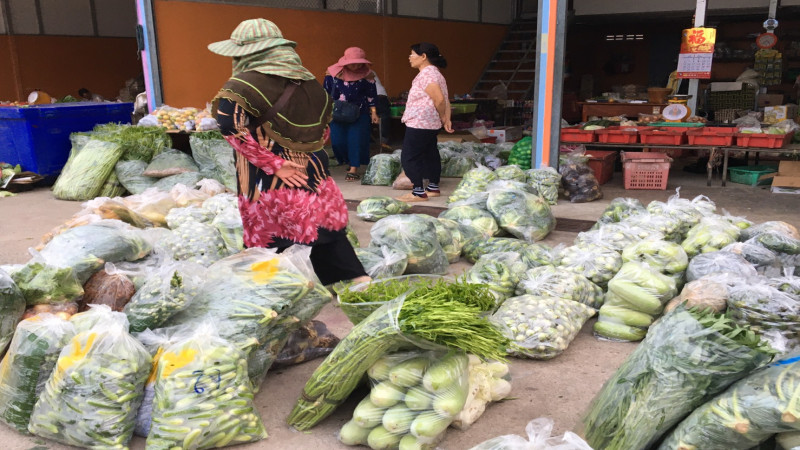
(560, 388)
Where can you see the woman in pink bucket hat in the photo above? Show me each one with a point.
(275, 114)
(351, 85)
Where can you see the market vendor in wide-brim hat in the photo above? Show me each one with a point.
(274, 113)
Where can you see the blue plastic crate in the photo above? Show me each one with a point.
(37, 137)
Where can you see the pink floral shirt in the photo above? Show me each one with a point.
(420, 111)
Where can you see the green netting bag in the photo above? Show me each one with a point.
(130, 176)
(170, 162)
(188, 179)
(88, 169)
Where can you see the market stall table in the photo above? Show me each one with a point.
(611, 109)
(756, 150)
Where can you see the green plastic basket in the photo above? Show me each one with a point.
(749, 174)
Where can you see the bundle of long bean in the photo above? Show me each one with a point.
(445, 314)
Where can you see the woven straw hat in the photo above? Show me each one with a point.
(251, 36)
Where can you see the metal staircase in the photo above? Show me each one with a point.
(513, 63)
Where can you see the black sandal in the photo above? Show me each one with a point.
(352, 176)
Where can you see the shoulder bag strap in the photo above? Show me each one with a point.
(276, 108)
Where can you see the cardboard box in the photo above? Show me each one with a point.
(769, 100)
(775, 114)
(787, 179)
(504, 134)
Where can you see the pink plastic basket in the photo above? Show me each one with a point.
(645, 170)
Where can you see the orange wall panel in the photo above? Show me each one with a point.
(8, 91)
(191, 75)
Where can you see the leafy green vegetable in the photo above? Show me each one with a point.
(87, 170)
(416, 237)
(381, 171)
(42, 283)
(12, 306)
(375, 208)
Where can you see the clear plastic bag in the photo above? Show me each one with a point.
(402, 182)
(477, 200)
(85, 249)
(489, 381)
(352, 237)
(476, 247)
(473, 182)
(113, 289)
(84, 177)
(539, 438)
(214, 157)
(381, 171)
(663, 256)
(170, 162)
(474, 217)
(667, 227)
(27, 365)
(138, 143)
(546, 182)
(540, 327)
(220, 202)
(179, 216)
(115, 209)
(100, 373)
(414, 236)
(598, 264)
(211, 187)
(360, 300)
(375, 208)
(707, 292)
(460, 234)
(746, 414)
(458, 165)
(166, 184)
(414, 398)
(98, 315)
(499, 271)
(166, 292)
(130, 176)
(789, 285)
(511, 172)
(41, 283)
(619, 209)
(709, 235)
(578, 178)
(186, 195)
(200, 381)
(200, 243)
(12, 307)
(773, 226)
(549, 281)
(765, 260)
(719, 262)
(768, 311)
(229, 224)
(382, 262)
(616, 236)
(311, 341)
(687, 212)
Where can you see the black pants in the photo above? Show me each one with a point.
(383, 108)
(332, 256)
(420, 156)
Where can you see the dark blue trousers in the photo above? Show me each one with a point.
(350, 141)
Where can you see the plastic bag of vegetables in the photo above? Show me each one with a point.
(549, 281)
(375, 208)
(130, 176)
(27, 365)
(165, 292)
(474, 217)
(687, 212)
(444, 314)
(92, 396)
(360, 300)
(381, 171)
(138, 143)
(540, 437)
(451, 248)
(765, 260)
(687, 357)
(96, 315)
(85, 249)
(775, 226)
(214, 157)
(352, 237)
(220, 202)
(229, 224)
(773, 314)
(181, 216)
(477, 200)
(598, 264)
(524, 215)
(458, 165)
(546, 182)
(578, 178)
(719, 262)
(199, 243)
(257, 298)
(521, 153)
(460, 235)
(489, 381)
(187, 179)
(476, 247)
(414, 397)
(616, 236)
(88, 170)
(708, 292)
(748, 413)
(499, 271)
(112, 187)
(540, 327)
(12, 306)
(619, 209)
(203, 398)
(511, 172)
(778, 242)
(663, 256)
(710, 235)
(382, 262)
(41, 283)
(790, 285)
(414, 236)
(170, 162)
(472, 182)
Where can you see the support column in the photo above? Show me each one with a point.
(549, 82)
(694, 83)
(149, 54)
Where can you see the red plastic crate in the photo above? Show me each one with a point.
(663, 136)
(645, 170)
(576, 134)
(602, 163)
(618, 135)
(489, 139)
(763, 140)
(718, 136)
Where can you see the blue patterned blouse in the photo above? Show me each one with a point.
(361, 92)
